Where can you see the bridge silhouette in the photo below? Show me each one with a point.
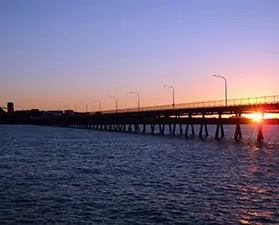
(179, 118)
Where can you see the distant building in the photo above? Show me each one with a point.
(69, 112)
(54, 113)
(2, 112)
(10, 107)
(28, 113)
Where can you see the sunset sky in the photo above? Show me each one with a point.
(58, 54)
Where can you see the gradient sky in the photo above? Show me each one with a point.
(55, 54)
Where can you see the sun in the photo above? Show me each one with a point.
(256, 117)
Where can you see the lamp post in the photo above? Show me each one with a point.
(116, 102)
(137, 94)
(226, 88)
(97, 100)
(171, 87)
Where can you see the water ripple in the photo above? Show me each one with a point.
(64, 176)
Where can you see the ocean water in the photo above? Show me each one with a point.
(54, 175)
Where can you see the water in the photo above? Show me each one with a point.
(67, 176)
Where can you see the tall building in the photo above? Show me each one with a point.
(10, 107)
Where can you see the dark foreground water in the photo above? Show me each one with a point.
(67, 176)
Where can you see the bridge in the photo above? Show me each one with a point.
(180, 118)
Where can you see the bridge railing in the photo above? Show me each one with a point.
(207, 104)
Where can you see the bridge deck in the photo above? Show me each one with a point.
(269, 104)
(182, 115)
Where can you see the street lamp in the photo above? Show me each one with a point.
(171, 87)
(137, 94)
(116, 102)
(226, 88)
(97, 100)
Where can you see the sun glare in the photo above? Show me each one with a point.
(256, 117)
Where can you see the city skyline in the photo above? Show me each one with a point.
(59, 55)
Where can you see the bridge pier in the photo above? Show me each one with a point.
(144, 128)
(137, 129)
(124, 127)
(172, 129)
(130, 130)
(219, 127)
(181, 129)
(201, 130)
(162, 128)
(189, 123)
(238, 133)
(260, 133)
(152, 128)
(187, 129)
(203, 125)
